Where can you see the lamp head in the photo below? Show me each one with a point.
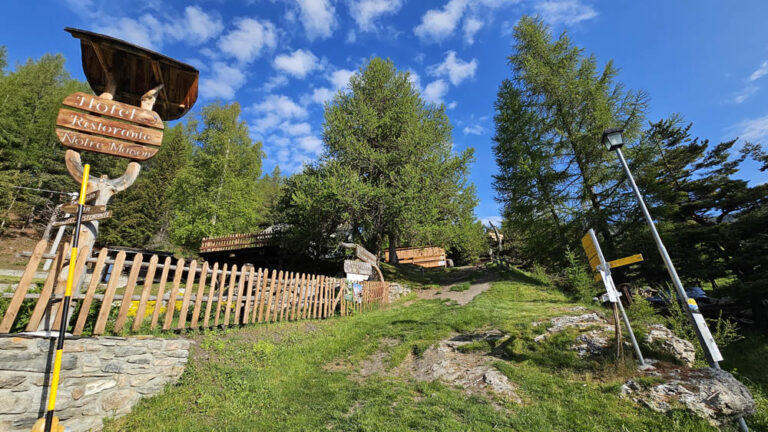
(612, 138)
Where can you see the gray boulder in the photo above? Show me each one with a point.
(662, 338)
(712, 394)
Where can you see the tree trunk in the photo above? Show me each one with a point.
(392, 249)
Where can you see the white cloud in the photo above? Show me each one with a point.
(136, 31)
(471, 27)
(266, 123)
(435, 91)
(452, 105)
(200, 26)
(317, 17)
(754, 130)
(366, 12)
(222, 83)
(415, 79)
(474, 130)
(340, 78)
(249, 38)
(454, 68)
(351, 37)
(760, 71)
(295, 129)
(297, 64)
(567, 12)
(311, 144)
(438, 24)
(745, 94)
(282, 106)
(275, 82)
(322, 95)
(194, 27)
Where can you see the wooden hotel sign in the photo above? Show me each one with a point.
(85, 218)
(109, 127)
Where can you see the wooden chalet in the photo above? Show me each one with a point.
(427, 257)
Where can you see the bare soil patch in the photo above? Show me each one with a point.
(461, 297)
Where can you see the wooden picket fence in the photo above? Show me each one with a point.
(201, 295)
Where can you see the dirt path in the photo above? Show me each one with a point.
(460, 297)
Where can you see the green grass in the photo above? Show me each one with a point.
(426, 278)
(460, 287)
(282, 376)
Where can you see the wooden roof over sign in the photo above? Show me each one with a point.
(137, 70)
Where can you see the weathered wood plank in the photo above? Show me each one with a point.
(272, 289)
(21, 289)
(211, 290)
(222, 287)
(122, 314)
(187, 295)
(286, 294)
(114, 109)
(295, 296)
(249, 294)
(48, 286)
(85, 308)
(239, 301)
(278, 293)
(105, 126)
(110, 146)
(106, 303)
(149, 280)
(263, 295)
(160, 292)
(199, 295)
(230, 294)
(170, 307)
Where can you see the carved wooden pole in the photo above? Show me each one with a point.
(105, 187)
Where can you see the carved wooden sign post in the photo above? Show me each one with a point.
(117, 132)
(123, 121)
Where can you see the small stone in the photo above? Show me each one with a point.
(9, 381)
(99, 386)
(178, 353)
(14, 343)
(114, 367)
(78, 393)
(119, 401)
(126, 351)
(140, 359)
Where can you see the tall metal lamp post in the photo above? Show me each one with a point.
(613, 141)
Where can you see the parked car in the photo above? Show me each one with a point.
(696, 293)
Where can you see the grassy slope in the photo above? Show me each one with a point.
(277, 377)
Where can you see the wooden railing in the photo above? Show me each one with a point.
(237, 241)
(175, 295)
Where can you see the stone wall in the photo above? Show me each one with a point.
(100, 377)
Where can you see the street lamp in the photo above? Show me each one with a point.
(613, 140)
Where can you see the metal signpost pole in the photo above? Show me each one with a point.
(65, 306)
(605, 272)
(706, 340)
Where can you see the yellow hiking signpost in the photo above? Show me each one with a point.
(597, 262)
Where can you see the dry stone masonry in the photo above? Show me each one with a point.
(100, 377)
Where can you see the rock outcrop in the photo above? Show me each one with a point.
(664, 340)
(713, 394)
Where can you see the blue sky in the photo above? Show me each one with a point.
(281, 59)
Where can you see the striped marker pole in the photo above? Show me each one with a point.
(67, 300)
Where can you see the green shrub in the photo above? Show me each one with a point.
(577, 279)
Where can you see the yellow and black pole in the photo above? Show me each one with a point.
(49, 418)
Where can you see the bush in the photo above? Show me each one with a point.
(578, 280)
(724, 331)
